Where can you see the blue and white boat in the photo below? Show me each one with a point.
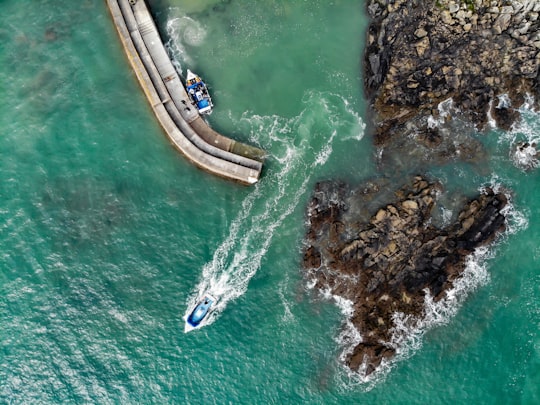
(198, 92)
(200, 312)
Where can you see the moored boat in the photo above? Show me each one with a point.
(198, 92)
(200, 312)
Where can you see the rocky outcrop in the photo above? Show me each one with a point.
(420, 53)
(435, 71)
(387, 262)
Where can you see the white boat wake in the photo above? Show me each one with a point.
(299, 145)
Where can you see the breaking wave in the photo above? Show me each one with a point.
(445, 109)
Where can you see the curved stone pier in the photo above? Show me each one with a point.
(163, 87)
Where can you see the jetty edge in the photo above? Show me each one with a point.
(187, 131)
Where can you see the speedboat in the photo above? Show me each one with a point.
(200, 312)
(198, 92)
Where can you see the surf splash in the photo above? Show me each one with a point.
(300, 147)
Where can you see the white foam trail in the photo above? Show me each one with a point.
(357, 125)
(349, 337)
(300, 145)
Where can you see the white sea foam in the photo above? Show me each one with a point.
(524, 139)
(118, 315)
(357, 125)
(446, 216)
(525, 156)
(491, 121)
(310, 284)
(299, 146)
(504, 101)
(349, 337)
(446, 108)
(183, 31)
(528, 104)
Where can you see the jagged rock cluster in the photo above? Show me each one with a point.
(385, 265)
(421, 52)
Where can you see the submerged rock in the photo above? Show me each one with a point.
(387, 263)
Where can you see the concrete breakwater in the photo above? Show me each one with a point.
(163, 87)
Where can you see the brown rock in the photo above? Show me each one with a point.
(395, 256)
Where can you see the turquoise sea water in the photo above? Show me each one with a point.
(107, 233)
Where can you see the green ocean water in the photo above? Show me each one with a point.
(107, 234)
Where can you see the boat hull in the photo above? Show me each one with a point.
(200, 312)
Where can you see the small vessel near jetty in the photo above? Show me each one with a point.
(198, 92)
(200, 312)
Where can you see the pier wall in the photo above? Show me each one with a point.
(165, 92)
